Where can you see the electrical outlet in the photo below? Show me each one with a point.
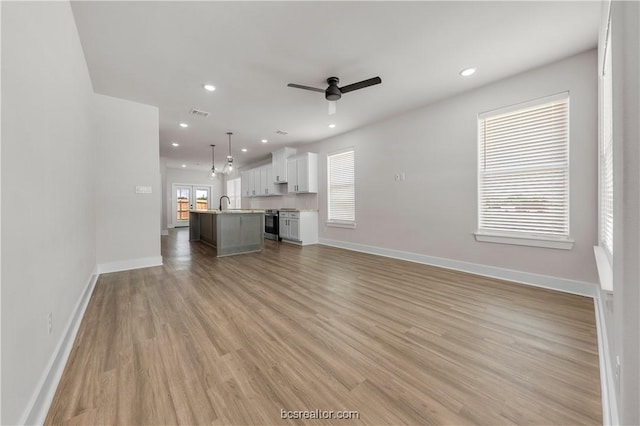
(50, 322)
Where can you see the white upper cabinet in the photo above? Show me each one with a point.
(246, 188)
(279, 164)
(266, 187)
(302, 173)
(258, 182)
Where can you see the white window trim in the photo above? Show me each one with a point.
(532, 240)
(525, 240)
(346, 224)
(605, 272)
(341, 224)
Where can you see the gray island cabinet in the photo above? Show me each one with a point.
(229, 231)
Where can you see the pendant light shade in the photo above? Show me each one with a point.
(228, 168)
(212, 175)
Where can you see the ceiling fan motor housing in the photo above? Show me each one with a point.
(333, 91)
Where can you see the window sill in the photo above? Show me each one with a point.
(532, 241)
(603, 265)
(348, 225)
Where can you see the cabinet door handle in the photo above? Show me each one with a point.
(278, 178)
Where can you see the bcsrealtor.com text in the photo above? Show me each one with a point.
(319, 414)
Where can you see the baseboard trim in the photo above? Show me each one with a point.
(607, 382)
(38, 406)
(125, 265)
(560, 284)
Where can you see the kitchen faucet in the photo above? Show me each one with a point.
(224, 196)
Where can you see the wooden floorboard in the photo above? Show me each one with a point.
(235, 340)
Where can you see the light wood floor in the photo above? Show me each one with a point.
(236, 340)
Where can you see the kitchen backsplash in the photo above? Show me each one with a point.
(292, 201)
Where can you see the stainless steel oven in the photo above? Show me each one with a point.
(271, 224)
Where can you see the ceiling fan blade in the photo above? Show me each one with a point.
(300, 86)
(332, 107)
(361, 85)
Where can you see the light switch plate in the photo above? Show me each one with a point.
(143, 190)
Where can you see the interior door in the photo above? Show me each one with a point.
(189, 197)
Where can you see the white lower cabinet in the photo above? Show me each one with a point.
(299, 227)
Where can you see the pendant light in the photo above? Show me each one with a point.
(213, 165)
(228, 168)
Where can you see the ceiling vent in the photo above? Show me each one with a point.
(199, 113)
(282, 132)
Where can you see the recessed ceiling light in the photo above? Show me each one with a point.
(184, 125)
(331, 126)
(175, 144)
(264, 141)
(467, 72)
(244, 149)
(184, 165)
(209, 87)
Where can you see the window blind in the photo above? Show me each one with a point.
(341, 200)
(606, 159)
(524, 169)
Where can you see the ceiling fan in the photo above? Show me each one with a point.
(333, 92)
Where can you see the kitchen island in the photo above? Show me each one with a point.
(229, 231)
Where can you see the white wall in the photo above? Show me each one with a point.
(626, 257)
(434, 211)
(127, 223)
(48, 217)
(189, 177)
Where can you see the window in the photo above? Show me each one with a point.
(523, 179)
(234, 193)
(606, 157)
(604, 250)
(341, 200)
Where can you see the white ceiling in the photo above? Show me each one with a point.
(161, 53)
